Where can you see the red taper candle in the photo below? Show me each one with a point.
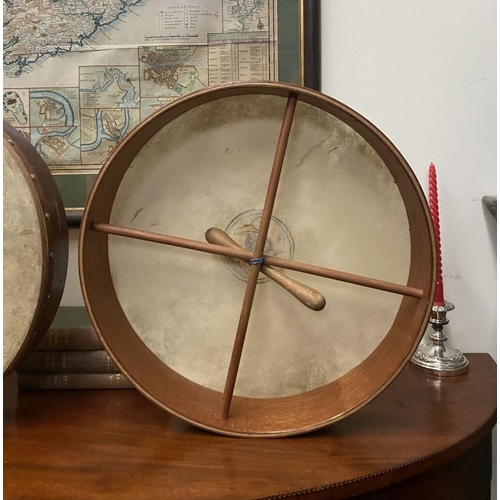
(434, 207)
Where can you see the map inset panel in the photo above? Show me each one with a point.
(109, 87)
(54, 107)
(57, 145)
(55, 120)
(172, 71)
(245, 15)
(102, 129)
(16, 105)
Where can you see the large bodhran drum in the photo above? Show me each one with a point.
(217, 232)
(35, 247)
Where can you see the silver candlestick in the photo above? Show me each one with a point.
(433, 355)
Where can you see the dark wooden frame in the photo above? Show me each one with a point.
(311, 44)
(251, 417)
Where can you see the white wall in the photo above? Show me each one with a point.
(424, 72)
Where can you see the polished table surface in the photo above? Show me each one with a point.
(116, 444)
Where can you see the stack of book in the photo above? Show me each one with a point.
(70, 356)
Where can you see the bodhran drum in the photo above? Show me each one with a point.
(35, 247)
(216, 233)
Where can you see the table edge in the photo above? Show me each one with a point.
(402, 471)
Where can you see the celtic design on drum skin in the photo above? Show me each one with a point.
(244, 229)
(303, 293)
(260, 242)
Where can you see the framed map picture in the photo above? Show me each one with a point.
(80, 74)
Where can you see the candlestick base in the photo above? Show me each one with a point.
(433, 355)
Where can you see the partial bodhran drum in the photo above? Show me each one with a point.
(172, 272)
(35, 247)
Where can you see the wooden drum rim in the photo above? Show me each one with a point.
(52, 221)
(255, 417)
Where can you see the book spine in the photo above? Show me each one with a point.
(76, 338)
(74, 381)
(56, 362)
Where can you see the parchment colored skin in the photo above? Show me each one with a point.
(335, 196)
(22, 258)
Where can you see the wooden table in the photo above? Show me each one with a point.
(424, 437)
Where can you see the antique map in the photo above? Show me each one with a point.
(80, 74)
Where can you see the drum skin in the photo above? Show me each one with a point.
(347, 200)
(35, 255)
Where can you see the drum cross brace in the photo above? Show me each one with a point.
(246, 256)
(257, 257)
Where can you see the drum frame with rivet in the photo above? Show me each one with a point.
(52, 220)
